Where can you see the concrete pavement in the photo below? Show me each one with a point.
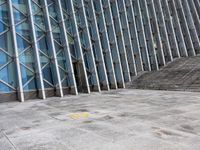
(117, 120)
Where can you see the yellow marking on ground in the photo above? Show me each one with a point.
(79, 115)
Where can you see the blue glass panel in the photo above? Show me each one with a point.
(39, 20)
(21, 43)
(4, 13)
(6, 42)
(27, 58)
(3, 27)
(31, 85)
(28, 77)
(38, 32)
(23, 30)
(3, 42)
(2, 1)
(20, 5)
(43, 59)
(8, 74)
(4, 88)
(18, 16)
(42, 45)
(47, 74)
(61, 59)
(3, 59)
(46, 85)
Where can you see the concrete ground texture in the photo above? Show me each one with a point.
(126, 119)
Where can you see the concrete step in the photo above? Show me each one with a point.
(182, 74)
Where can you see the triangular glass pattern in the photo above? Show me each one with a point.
(8, 74)
(21, 43)
(4, 88)
(4, 13)
(18, 16)
(43, 59)
(24, 30)
(4, 58)
(47, 74)
(31, 85)
(61, 59)
(26, 74)
(27, 58)
(42, 45)
(3, 27)
(22, 5)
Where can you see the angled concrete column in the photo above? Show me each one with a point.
(151, 43)
(134, 35)
(126, 36)
(96, 45)
(178, 29)
(20, 91)
(103, 37)
(185, 28)
(196, 17)
(170, 29)
(197, 4)
(57, 79)
(119, 37)
(71, 86)
(76, 51)
(163, 31)
(158, 45)
(40, 80)
(113, 43)
(141, 35)
(191, 26)
(86, 45)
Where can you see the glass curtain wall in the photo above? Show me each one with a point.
(60, 47)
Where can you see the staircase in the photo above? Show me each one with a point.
(180, 75)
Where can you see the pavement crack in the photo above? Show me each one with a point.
(15, 148)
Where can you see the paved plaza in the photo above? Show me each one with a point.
(116, 120)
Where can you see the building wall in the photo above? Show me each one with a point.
(60, 47)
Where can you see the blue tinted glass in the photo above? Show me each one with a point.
(21, 43)
(4, 13)
(47, 74)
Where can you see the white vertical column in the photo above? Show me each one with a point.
(126, 36)
(191, 26)
(67, 51)
(37, 57)
(195, 15)
(177, 28)
(197, 4)
(170, 28)
(20, 91)
(119, 38)
(134, 39)
(158, 45)
(113, 43)
(185, 29)
(96, 45)
(86, 45)
(59, 90)
(141, 35)
(163, 31)
(77, 37)
(151, 45)
(103, 37)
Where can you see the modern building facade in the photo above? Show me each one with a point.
(60, 47)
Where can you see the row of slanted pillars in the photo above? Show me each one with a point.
(106, 42)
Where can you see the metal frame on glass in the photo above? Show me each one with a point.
(128, 10)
